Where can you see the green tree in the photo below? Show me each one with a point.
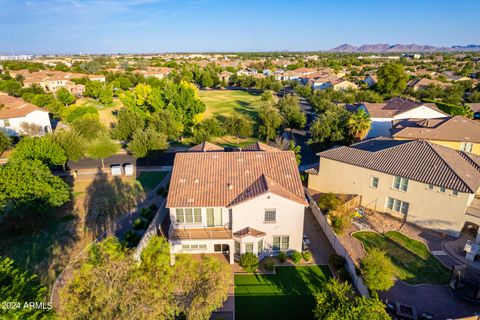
(296, 150)
(377, 270)
(168, 122)
(293, 117)
(72, 143)
(93, 89)
(65, 97)
(102, 147)
(359, 125)
(88, 126)
(270, 121)
(28, 187)
(238, 126)
(106, 95)
(5, 142)
(392, 79)
(147, 140)
(44, 149)
(330, 127)
(22, 287)
(128, 121)
(336, 300)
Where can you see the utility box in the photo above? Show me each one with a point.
(116, 170)
(129, 169)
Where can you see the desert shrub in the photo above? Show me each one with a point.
(307, 256)
(336, 261)
(328, 202)
(296, 257)
(249, 262)
(268, 264)
(282, 256)
(138, 224)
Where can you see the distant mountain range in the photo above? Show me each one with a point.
(385, 48)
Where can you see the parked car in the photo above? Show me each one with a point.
(305, 243)
(129, 169)
(116, 170)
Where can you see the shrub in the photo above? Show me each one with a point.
(339, 223)
(328, 202)
(147, 213)
(307, 256)
(132, 238)
(336, 261)
(138, 224)
(282, 256)
(268, 264)
(377, 270)
(296, 257)
(249, 262)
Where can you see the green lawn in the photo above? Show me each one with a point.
(286, 295)
(149, 180)
(227, 102)
(413, 262)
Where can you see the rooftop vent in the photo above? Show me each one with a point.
(230, 186)
(182, 180)
(196, 181)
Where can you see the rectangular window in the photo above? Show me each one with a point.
(270, 215)
(197, 215)
(249, 247)
(237, 248)
(454, 193)
(400, 183)
(188, 215)
(466, 146)
(430, 187)
(217, 247)
(180, 216)
(276, 243)
(442, 189)
(285, 243)
(374, 182)
(260, 246)
(194, 246)
(214, 217)
(397, 205)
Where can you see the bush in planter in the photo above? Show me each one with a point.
(249, 262)
(336, 261)
(268, 264)
(296, 257)
(307, 256)
(132, 238)
(138, 224)
(282, 256)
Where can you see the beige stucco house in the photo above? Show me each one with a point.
(424, 183)
(235, 202)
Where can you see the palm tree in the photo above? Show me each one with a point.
(359, 124)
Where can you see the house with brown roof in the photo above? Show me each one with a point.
(18, 117)
(235, 202)
(420, 182)
(423, 83)
(456, 132)
(397, 108)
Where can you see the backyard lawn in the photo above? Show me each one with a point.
(413, 262)
(149, 180)
(227, 102)
(288, 294)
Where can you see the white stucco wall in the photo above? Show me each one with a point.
(35, 117)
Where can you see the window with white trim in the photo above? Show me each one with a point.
(281, 243)
(466, 146)
(194, 246)
(400, 183)
(188, 215)
(397, 205)
(270, 215)
(454, 193)
(374, 182)
(249, 247)
(237, 248)
(442, 189)
(430, 187)
(260, 245)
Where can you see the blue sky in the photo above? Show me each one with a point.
(109, 26)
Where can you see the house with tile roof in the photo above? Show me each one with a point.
(235, 202)
(16, 115)
(382, 114)
(456, 132)
(420, 182)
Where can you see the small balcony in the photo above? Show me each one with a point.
(178, 232)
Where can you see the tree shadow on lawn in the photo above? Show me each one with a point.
(107, 200)
(42, 242)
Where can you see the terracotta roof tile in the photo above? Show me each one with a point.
(249, 232)
(15, 107)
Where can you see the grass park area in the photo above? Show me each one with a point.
(106, 114)
(288, 294)
(227, 102)
(45, 243)
(413, 263)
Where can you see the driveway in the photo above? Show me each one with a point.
(319, 244)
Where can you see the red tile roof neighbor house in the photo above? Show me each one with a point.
(224, 179)
(11, 107)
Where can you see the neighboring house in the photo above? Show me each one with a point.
(423, 83)
(342, 84)
(414, 180)
(15, 113)
(225, 76)
(397, 108)
(476, 110)
(454, 78)
(370, 80)
(155, 72)
(235, 202)
(457, 132)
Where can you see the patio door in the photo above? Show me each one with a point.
(214, 217)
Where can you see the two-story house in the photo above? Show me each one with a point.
(235, 202)
(457, 132)
(418, 181)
